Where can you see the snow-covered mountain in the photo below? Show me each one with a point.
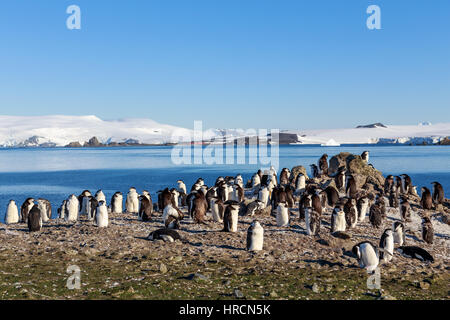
(59, 131)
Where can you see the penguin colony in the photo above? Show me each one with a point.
(228, 199)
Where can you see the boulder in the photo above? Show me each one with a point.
(295, 171)
(364, 174)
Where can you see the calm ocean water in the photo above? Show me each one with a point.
(54, 174)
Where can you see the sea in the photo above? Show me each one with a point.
(56, 173)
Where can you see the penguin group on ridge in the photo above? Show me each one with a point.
(266, 193)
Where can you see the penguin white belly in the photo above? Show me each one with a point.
(389, 247)
(264, 197)
(257, 240)
(398, 237)
(102, 217)
(355, 222)
(101, 197)
(282, 217)
(43, 208)
(72, 210)
(215, 212)
(12, 214)
(234, 220)
(363, 212)
(369, 258)
(341, 224)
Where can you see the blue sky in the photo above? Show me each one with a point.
(233, 64)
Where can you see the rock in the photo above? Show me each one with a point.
(162, 268)
(424, 285)
(273, 294)
(74, 144)
(197, 276)
(354, 164)
(315, 288)
(295, 171)
(237, 294)
(178, 259)
(93, 142)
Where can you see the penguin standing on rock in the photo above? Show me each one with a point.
(362, 207)
(25, 209)
(255, 237)
(282, 215)
(230, 217)
(351, 189)
(387, 244)
(405, 209)
(427, 230)
(314, 171)
(388, 184)
(312, 221)
(438, 193)
(34, 219)
(339, 179)
(426, 202)
(83, 200)
(145, 209)
(365, 156)
(12, 213)
(323, 165)
(117, 203)
(367, 256)
(101, 216)
(377, 212)
(338, 222)
(399, 233)
(351, 214)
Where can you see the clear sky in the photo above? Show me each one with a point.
(231, 63)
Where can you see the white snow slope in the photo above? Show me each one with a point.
(59, 130)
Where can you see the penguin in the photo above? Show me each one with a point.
(100, 196)
(238, 193)
(239, 181)
(212, 193)
(35, 219)
(362, 207)
(351, 214)
(217, 209)
(398, 185)
(132, 202)
(393, 199)
(284, 176)
(230, 216)
(316, 203)
(263, 196)
(282, 215)
(93, 208)
(314, 171)
(167, 235)
(438, 193)
(367, 256)
(416, 253)
(254, 207)
(199, 208)
(256, 181)
(290, 196)
(338, 222)
(405, 209)
(101, 216)
(388, 184)
(427, 230)
(332, 196)
(305, 202)
(399, 233)
(387, 244)
(25, 209)
(145, 209)
(312, 221)
(351, 189)
(171, 217)
(62, 210)
(46, 209)
(406, 183)
(377, 213)
(339, 180)
(427, 201)
(200, 182)
(117, 202)
(147, 194)
(300, 184)
(255, 237)
(181, 187)
(72, 209)
(83, 200)
(365, 156)
(12, 213)
(323, 165)
(165, 197)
